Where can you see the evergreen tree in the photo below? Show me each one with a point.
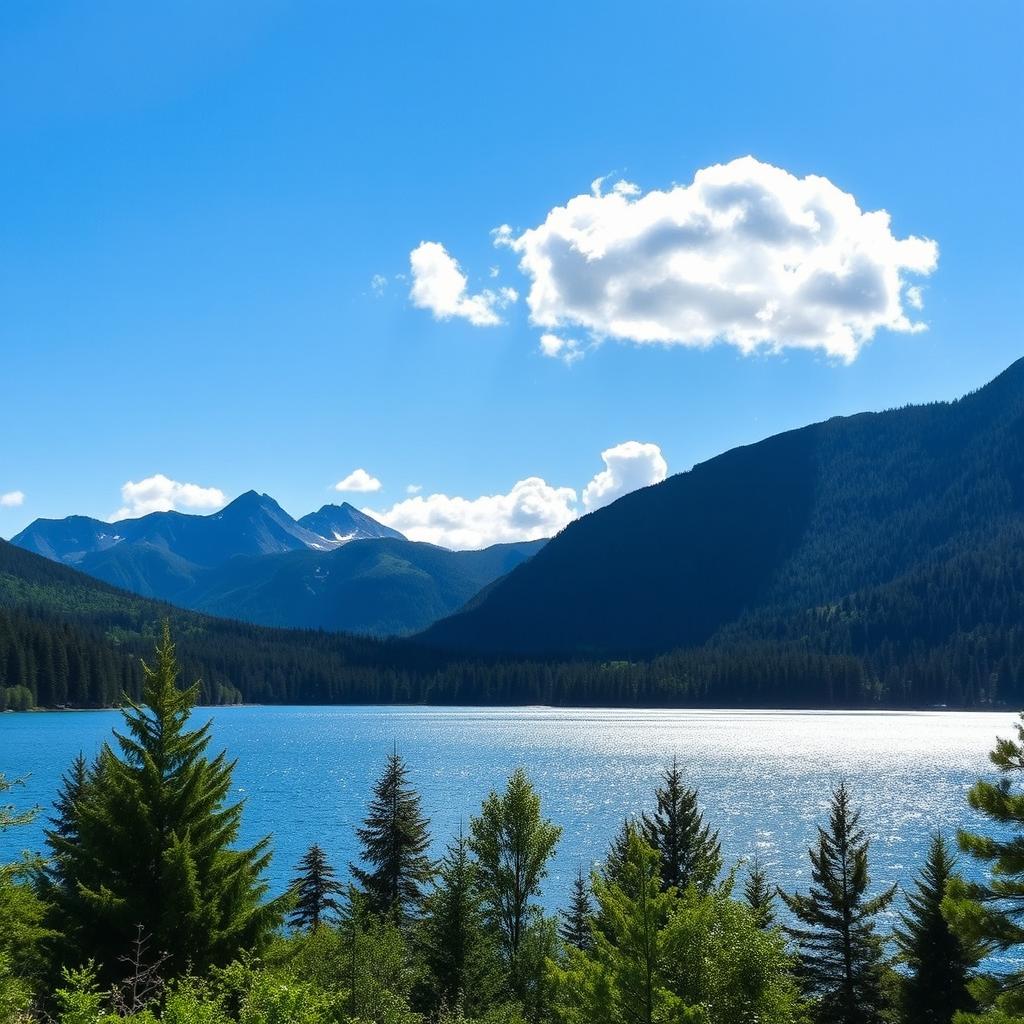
(760, 896)
(457, 947)
(512, 844)
(575, 929)
(316, 890)
(395, 839)
(616, 855)
(940, 963)
(690, 851)
(155, 841)
(991, 912)
(840, 953)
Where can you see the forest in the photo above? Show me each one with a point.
(143, 907)
(949, 632)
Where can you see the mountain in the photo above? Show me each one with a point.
(386, 587)
(344, 523)
(253, 561)
(800, 526)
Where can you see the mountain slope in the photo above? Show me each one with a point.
(773, 529)
(385, 587)
(345, 523)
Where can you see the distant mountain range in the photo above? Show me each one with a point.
(871, 560)
(253, 561)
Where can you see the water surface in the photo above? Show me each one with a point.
(764, 776)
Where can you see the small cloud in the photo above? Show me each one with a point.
(566, 349)
(358, 481)
(378, 284)
(494, 271)
(627, 467)
(915, 297)
(161, 494)
(440, 286)
(12, 499)
(414, 488)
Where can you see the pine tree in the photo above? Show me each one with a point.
(512, 844)
(941, 964)
(616, 855)
(73, 783)
(690, 851)
(575, 928)
(991, 913)
(626, 976)
(457, 947)
(316, 890)
(760, 896)
(395, 839)
(155, 843)
(841, 955)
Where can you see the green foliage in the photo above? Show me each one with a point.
(662, 955)
(151, 843)
(315, 890)
(941, 964)
(395, 838)
(459, 952)
(576, 929)
(512, 844)
(689, 850)
(759, 895)
(991, 913)
(22, 931)
(841, 954)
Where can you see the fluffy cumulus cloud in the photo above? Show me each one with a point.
(440, 286)
(161, 494)
(359, 482)
(747, 253)
(532, 509)
(12, 499)
(627, 467)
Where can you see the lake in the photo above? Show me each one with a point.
(764, 776)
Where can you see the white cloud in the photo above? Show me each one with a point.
(627, 467)
(440, 286)
(379, 284)
(360, 481)
(12, 499)
(414, 488)
(566, 349)
(532, 509)
(747, 253)
(161, 494)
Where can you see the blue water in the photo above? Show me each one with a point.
(764, 777)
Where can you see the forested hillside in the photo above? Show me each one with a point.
(775, 531)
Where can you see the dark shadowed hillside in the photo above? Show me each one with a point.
(776, 529)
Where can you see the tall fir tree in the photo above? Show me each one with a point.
(395, 838)
(759, 895)
(153, 843)
(616, 855)
(841, 955)
(316, 891)
(512, 844)
(941, 964)
(575, 929)
(991, 912)
(457, 947)
(689, 849)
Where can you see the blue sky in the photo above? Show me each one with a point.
(198, 196)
